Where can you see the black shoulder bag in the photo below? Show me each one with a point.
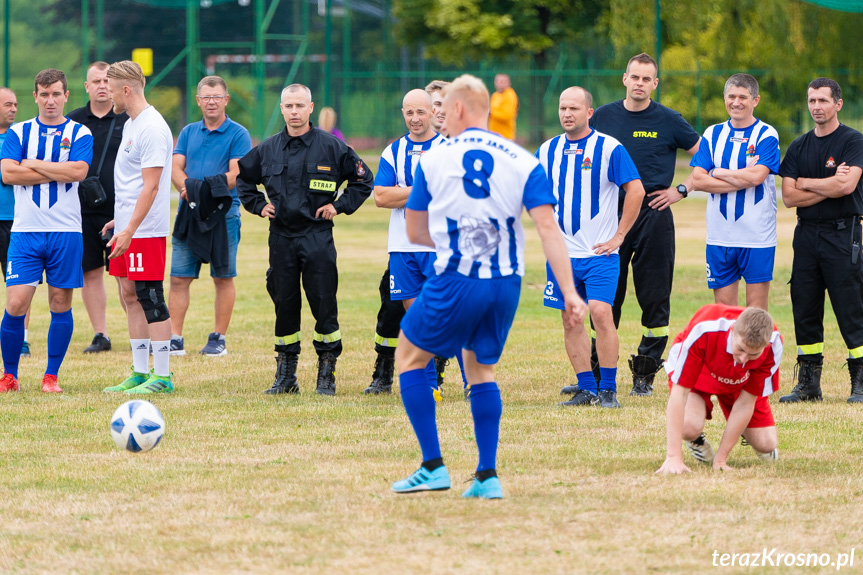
(90, 189)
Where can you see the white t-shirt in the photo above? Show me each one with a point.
(147, 143)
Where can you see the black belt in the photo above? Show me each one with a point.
(836, 223)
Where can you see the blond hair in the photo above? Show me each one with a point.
(471, 91)
(754, 327)
(327, 119)
(128, 71)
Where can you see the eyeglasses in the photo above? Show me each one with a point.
(216, 99)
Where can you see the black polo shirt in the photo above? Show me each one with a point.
(812, 157)
(99, 128)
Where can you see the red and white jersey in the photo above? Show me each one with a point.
(701, 356)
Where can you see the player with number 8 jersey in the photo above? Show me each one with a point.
(467, 198)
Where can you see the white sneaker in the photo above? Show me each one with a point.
(771, 456)
(701, 449)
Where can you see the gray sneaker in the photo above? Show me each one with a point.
(583, 397)
(177, 347)
(215, 346)
(608, 398)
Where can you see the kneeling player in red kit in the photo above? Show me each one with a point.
(731, 353)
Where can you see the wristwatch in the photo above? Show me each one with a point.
(682, 189)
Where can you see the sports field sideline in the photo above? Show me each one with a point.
(245, 482)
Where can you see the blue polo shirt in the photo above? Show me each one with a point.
(209, 152)
(7, 194)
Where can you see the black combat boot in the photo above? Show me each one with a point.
(326, 374)
(643, 368)
(286, 374)
(440, 369)
(382, 378)
(855, 368)
(808, 388)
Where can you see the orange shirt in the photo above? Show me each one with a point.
(503, 112)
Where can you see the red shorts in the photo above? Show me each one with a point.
(762, 416)
(143, 261)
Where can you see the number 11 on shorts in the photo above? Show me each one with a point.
(132, 266)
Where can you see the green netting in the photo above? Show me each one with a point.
(180, 3)
(842, 5)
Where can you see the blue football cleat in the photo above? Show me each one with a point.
(424, 480)
(488, 489)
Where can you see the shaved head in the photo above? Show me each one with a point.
(578, 92)
(417, 98)
(417, 111)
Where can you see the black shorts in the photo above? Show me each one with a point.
(95, 252)
(5, 236)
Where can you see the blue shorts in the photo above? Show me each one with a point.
(58, 254)
(595, 279)
(727, 265)
(185, 264)
(408, 272)
(454, 312)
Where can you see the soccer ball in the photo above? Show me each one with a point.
(137, 426)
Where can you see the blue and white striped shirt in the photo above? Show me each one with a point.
(54, 206)
(399, 161)
(474, 188)
(745, 218)
(586, 176)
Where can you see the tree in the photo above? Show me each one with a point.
(452, 30)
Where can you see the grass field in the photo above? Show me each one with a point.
(245, 482)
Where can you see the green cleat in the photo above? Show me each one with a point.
(133, 380)
(156, 384)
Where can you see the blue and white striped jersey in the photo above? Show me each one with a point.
(745, 218)
(54, 206)
(474, 188)
(399, 161)
(586, 176)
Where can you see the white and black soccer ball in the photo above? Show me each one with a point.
(137, 426)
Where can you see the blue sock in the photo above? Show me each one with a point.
(419, 403)
(608, 378)
(59, 336)
(586, 381)
(12, 340)
(431, 374)
(486, 407)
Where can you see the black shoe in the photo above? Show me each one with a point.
(582, 398)
(643, 368)
(99, 343)
(382, 378)
(286, 374)
(855, 369)
(440, 369)
(808, 388)
(326, 374)
(608, 398)
(569, 389)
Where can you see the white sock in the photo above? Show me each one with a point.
(140, 355)
(26, 334)
(162, 358)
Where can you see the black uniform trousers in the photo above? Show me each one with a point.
(825, 257)
(312, 259)
(390, 317)
(649, 246)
